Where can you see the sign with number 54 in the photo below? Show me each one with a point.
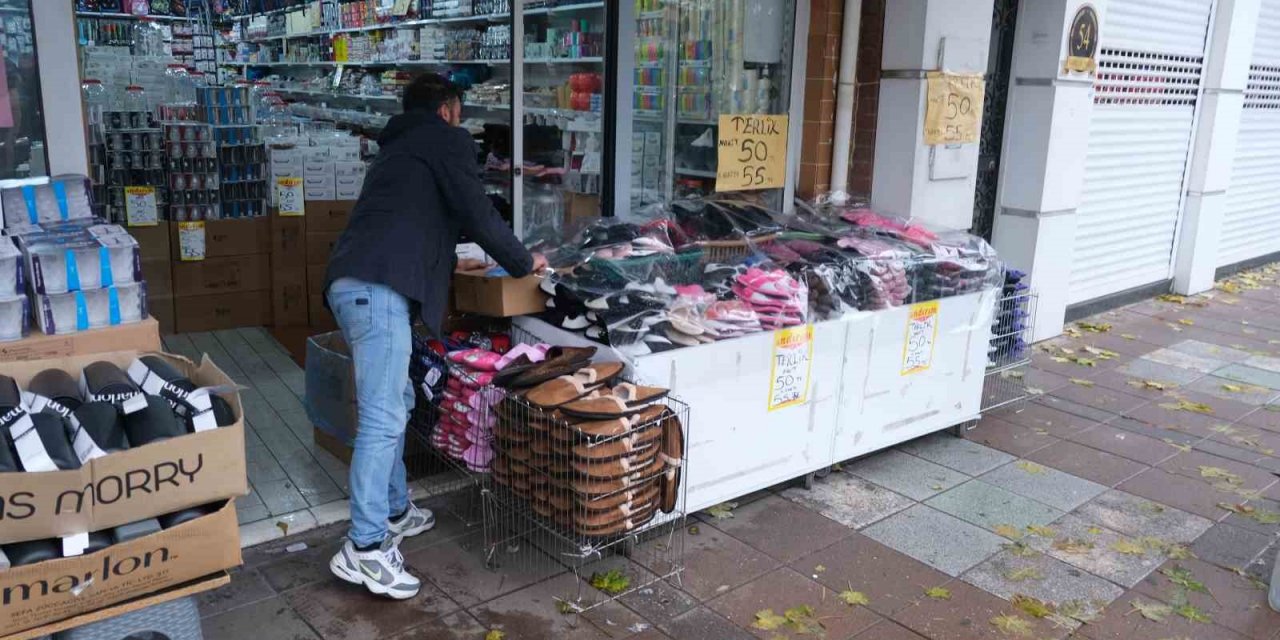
(953, 114)
(752, 153)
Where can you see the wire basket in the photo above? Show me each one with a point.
(1009, 353)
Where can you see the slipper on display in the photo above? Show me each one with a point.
(478, 380)
(547, 370)
(672, 457)
(588, 503)
(601, 408)
(632, 443)
(617, 467)
(639, 395)
(481, 419)
(478, 359)
(554, 393)
(478, 457)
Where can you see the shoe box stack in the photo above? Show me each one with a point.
(325, 221)
(227, 284)
(332, 168)
(119, 471)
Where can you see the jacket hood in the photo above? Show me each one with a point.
(402, 124)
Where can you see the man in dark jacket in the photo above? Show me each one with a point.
(397, 256)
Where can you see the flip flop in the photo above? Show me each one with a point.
(639, 395)
(671, 455)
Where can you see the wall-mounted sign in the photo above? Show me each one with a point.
(953, 114)
(1082, 41)
(752, 153)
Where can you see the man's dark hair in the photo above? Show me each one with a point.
(428, 92)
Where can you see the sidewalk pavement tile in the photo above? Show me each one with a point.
(1008, 437)
(301, 568)
(1234, 390)
(1265, 417)
(1230, 546)
(271, 618)
(1050, 486)
(1264, 519)
(1084, 544)
(849, 500)
(1134, 446)
(783, 589)
(703, 623)
(458, 568)
(887, 630)
(716, 562)
(941, 541)
(1136, 517)
(1210, 351)
(247, 587)
(1233, 601)
(891, 580)
(989, 506)
(1088, 463)
(1098, 397)
(1043, 578)
(1241, 449)
(1061, 424)
(1121, 621)
(908, 475)
(967, 615)
(532, 613)
(1145, 369)
(1195, 464)
(459, 625)
(963, 455)
(1168, 416)
(660, 602)
(342, 611)
(781, 528)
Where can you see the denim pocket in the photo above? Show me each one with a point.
(353, 309)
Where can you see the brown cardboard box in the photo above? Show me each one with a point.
(320, 245)
(497, 297)
(328, 215)
(55, 590)
(315, 278)
(222, 275)
(234, 237)
(162, 310)
(153, 242)
(289, 297)
(319, 315)
(222, 311)
(579, 208)
(159, 276)
(140, 336)
(288, 242)
(131, 485)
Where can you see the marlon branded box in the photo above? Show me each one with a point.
(47, 592)
(131, 485)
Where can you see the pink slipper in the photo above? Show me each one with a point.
(478, 457)
(477, 434)
(482, 419)
(477, 359)
(535, 353)
(478, 380)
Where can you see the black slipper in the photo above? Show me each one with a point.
(153, 423)
(201, 409)
(53, 390)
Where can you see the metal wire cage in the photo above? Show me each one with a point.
(1009, 353)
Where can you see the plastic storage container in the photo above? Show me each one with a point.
(15, 318)
(45, 200)
(10, 269)
(77, 311)
(59, 263)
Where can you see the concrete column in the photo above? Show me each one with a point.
(1042, 162)
(935, 183)
(1224, 78)
(58, 58)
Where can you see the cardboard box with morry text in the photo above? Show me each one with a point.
(47, 592)
(131, 485)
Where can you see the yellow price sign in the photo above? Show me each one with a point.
(140, 206)
(922, 333)
(191, 241)
(953, 114)
(290, 197)
(752, 153)
(792, 363)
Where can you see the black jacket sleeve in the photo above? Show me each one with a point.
(459, 177)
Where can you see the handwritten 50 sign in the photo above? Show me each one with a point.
(752, 153)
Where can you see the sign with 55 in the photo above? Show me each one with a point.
(953, 114)
(752, 153)
(792, 362)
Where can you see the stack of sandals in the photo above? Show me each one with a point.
(592, 454)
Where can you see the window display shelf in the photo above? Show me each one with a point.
(695, 173)
(331, 94)
(130, 16)
(410, 63)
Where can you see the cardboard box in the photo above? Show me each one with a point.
(235, 237)
(288, 242)
(158, 275)
(131, 485)
(318, 315)
(222, 275)
(153, 242)
(331, 388)
(49, 592)
(349, 169)
(140, 336)
(580, 207)
(222, 311)
(162, 310)
(320, 245)
(473, 292)
(328, 215)
(289, 301)
(315, 278)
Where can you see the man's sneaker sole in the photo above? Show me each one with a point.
(399, 537)
(340, 570)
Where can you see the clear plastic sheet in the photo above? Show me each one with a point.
(711, 269)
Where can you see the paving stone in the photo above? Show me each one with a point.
(1168, 417)
(1036, 415)
(458, 568)
(1265, 417)
(782, 528)
(704, 623)
(1090, 413)
(892, 580)
(299, 569)
(1224, 409)
(1052, 487)
(459, 625)
(955, 453)
(908, 475)
(1266, 363)
(784, 589)
(1241, 453)
(967, 616)
(531, 613)
(247, 587)
(338, 610)
(1120, 621)
(281, 496)
(1132, 385)
(1232, 602)
(660, 603)
(1088, 463)
(1134, 446)
(1136, 517)
(1098, 397)
(714, 562)
(1146, 369)
(1097, 554)
(1221, 387)
(849, 500)
(888, 630)
(1008, 437)
(1193, 464)
(272, 618)
(1210, 351)
(1230, 546)
(1260, 520)
(988, 506)
(1043, 578)
(941, 541)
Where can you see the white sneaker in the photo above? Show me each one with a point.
(413, 522)
(380, 570)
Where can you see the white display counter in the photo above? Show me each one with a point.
(863, 386)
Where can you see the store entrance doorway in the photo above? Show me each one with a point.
(1004, 18)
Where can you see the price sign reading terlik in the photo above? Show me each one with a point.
(922, 333)
(954, 111)
(792, 361)
(752, 153)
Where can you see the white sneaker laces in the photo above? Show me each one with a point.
(394, 558)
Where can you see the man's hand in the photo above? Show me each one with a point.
(539, 262)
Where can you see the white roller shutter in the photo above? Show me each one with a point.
(1145, 93)
(1251, 223)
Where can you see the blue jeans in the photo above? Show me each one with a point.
(375, 322)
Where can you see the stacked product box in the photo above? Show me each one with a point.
(14, 309)
(318, 176)
(242, 155)
(191, 162)
(286, 160)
